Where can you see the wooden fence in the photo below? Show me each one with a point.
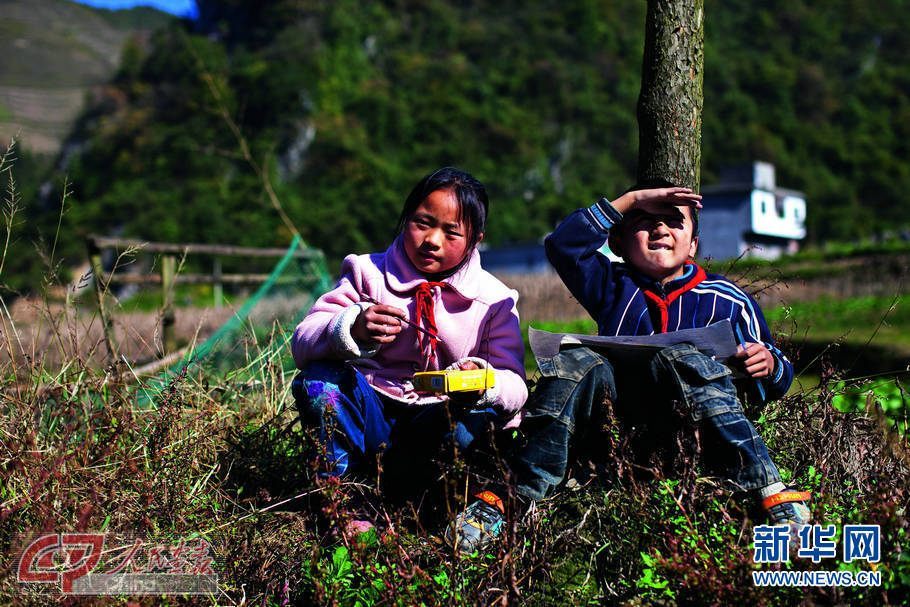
(167, 276)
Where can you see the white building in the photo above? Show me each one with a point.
(746, 213)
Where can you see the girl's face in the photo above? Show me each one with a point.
(435, 238)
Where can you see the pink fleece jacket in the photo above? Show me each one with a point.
(476, 316)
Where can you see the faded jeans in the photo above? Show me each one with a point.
(564, 407)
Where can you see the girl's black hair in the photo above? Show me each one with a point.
(471, 195)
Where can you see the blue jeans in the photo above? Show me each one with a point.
(355, 424)
(564, 408)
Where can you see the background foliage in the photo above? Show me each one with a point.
(347, 104)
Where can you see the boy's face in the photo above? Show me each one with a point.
(658, 242)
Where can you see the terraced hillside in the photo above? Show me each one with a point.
(53, 53)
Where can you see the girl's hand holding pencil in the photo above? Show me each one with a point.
(381, 323)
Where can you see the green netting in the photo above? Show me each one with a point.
(256, 337)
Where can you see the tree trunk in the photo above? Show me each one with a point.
(671, 99)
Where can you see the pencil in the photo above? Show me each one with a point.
(369, 299)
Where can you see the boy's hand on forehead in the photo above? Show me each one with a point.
(379, 324)
(657, 201)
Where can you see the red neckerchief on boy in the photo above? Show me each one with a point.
(426, 317)
(662, 301)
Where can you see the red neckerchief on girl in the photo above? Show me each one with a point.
(426, 317)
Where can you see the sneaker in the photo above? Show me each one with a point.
(478, 525)
(788, 507)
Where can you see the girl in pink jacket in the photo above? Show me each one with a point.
(357, 354)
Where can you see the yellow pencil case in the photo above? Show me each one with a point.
(445, 382)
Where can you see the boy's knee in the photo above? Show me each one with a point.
(705, 385)
(564, 378)
(576, 365)
(686, 354)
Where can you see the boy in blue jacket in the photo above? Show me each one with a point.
(657, 289)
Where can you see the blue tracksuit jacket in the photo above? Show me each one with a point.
(625, 302)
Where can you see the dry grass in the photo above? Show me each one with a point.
(543, 297)
(56, 333)
(224, 459)
(219, 455)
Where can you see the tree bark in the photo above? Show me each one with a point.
(671, 99)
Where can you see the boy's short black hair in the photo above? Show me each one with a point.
(663, 183)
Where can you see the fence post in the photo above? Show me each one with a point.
(217, 288)
(168, 269)
(94, 259)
